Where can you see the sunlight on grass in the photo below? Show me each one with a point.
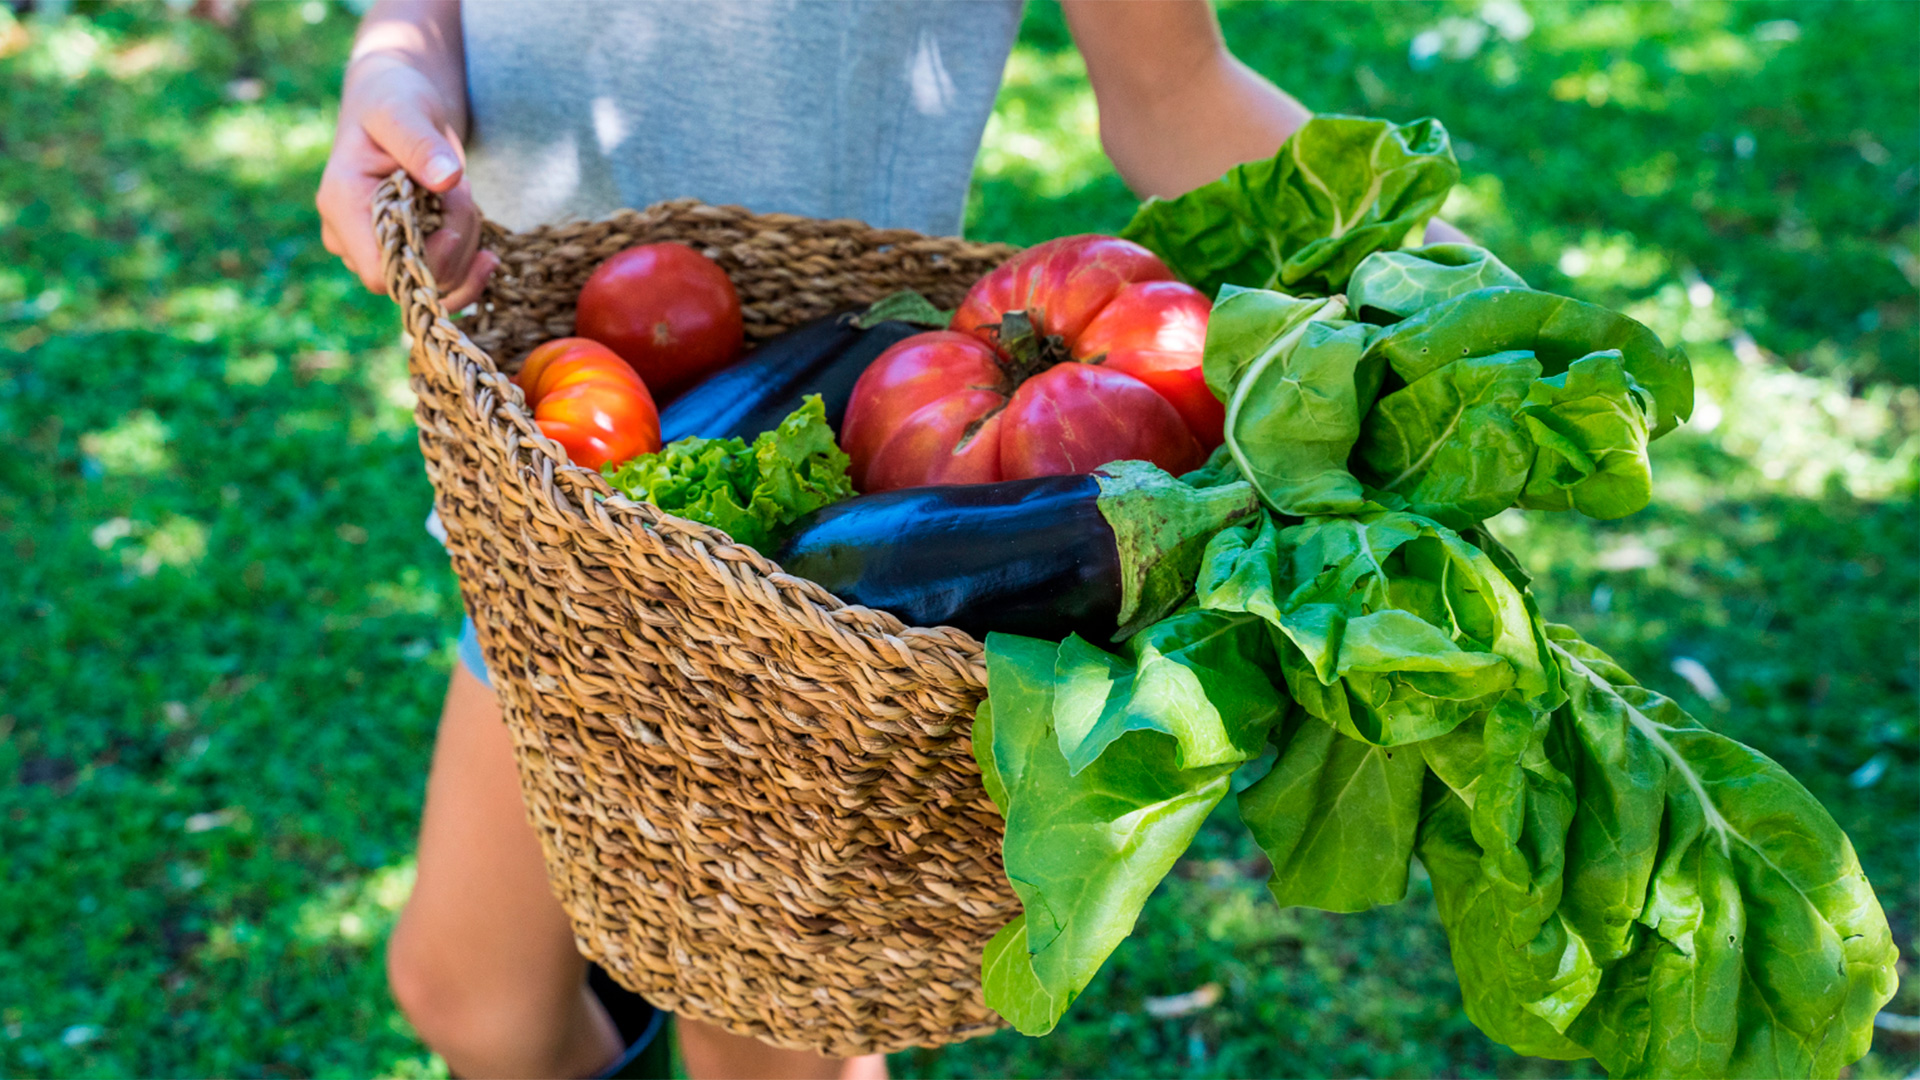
(154, 54)
(411, 594)
(65, 53)
(177, 541)
(254, 369)
(1045, 130)
(259, 144)
(1802, 433)
(136, 445)
(391, 411)
(356, 912)
(1613, 261)
(200, 312)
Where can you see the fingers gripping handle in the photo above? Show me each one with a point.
(404, 215)
(400, 232)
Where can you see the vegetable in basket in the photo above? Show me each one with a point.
(589, 401)
(668, 310)
(753, 492)
(755, 393)
(1099, 554)
(1071, 354)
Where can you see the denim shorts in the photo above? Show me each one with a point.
(469, 649)
(470, 652)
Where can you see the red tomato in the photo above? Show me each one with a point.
(1110, 371)
(1156, 332)
(1061, 285)
(667, 310)
(589, 400)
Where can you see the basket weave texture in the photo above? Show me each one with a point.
(758, 805)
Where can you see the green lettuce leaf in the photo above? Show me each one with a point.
(1337, 817)
(1388, 286)
(1590, 424)
(1082, 851)
(752, 493)
(1451, 441)
(1248, 326)
(1341, 188)
(1557, 330)
(1199, 676)
(1396, 629)
(1218, 471)
(1294, 415)
(1621, 882)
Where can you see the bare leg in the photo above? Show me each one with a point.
(713, 1053)
(483, 960)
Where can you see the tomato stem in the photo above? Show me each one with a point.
(1024, 351)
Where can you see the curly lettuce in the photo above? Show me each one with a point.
(754, 492)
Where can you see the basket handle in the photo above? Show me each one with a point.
(404, 215)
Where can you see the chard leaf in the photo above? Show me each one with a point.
(1295, 415)
(1249, 325)
(1337, 818)
(1082, 851)
(1395, 629)
(1341, 188)
(1590, 424)
(1198, 676)
(1388, 286)
(1450, 441)
(1557, 330)
(1624, 883)
(1218, 471)
(1765, 949)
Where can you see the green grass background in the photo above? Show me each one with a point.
(224, 635)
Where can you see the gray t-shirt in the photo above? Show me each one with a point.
(868, 109)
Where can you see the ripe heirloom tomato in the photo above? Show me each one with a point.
(1071, 354)
(588, 400)
(667, 310)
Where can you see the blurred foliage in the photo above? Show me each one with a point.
(224, 636)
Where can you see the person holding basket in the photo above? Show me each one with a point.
(541, 112)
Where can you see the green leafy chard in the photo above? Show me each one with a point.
(1397, 629)
(1336, 816)
(750, 492)
(1299, 384)
(1590, 424)
(1161, 526)
(1341, 188)
(1388, 286)
(1555, 329)
(1621, 882)
(1084, 848)
(1450, 441)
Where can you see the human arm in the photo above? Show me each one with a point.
(403, 104)
(1177, 108)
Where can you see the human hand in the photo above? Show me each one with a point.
(393, 117)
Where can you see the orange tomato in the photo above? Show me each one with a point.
(588, 400)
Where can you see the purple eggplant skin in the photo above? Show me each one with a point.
(1032, 557)
(756, 392)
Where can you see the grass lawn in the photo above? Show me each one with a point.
(224, 635)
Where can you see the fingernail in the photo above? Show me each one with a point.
(439, 168)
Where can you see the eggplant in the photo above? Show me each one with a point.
(1100, 555)
(756, 392)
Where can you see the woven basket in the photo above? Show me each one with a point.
(759, 805)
